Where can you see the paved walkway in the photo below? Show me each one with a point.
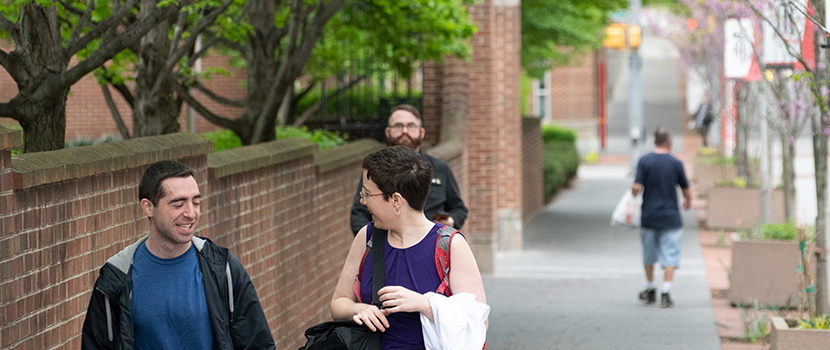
(574, 284)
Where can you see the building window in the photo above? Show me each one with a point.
(541, 98)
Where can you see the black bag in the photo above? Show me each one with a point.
(341, 335)
(348, 335)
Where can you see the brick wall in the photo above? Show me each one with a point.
(573, 91)
(281, 207)
(532, 168)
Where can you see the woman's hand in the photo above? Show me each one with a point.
(400, 299)
(371, 316)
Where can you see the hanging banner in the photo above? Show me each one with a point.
(738, 52)
(790, 23)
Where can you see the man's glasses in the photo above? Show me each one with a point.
(410, 126)
(364, 193)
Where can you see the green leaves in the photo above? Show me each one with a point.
(555, 32)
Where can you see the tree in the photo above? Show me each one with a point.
(282, 41)
(554, 32)
(46, 37)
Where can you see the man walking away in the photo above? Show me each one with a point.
(444, 204)
(658, 174)
(171, 289)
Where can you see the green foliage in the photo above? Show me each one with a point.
(787, 232)
(560, 161)
(363, 103)
(559, 32)
(526, 91)
(818, 322)
(227, 139)
(714, 160)
(756, 326)
(556, 133)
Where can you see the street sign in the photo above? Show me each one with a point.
(738, 48)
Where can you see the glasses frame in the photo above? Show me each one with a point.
(401, 127)
(364, 193)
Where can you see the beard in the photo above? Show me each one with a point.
(406, 141)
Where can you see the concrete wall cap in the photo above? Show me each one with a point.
(34, 169)
(10, 138)
(248, 158)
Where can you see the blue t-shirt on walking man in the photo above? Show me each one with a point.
(660, 173)
(169, 305)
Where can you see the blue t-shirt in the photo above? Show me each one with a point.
(169, 305)
(659, 174)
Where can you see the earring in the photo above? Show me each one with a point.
(397, 211)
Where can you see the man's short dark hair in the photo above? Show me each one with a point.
(662, 135)
(408, 108)
(400, 169)
(150, 186)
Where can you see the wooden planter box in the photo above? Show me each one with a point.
(782, 337)
(766, 271)
(737, 208)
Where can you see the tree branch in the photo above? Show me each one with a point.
(101, 28)
(213, 96)
(9, 109)
(780, 35)
(308, 112)
(10, 27)
(213, 118)
(105, 52)
(81, 21)
(4, 59)
(116, 115)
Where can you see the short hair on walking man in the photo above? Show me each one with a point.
(658, 175)
(444, 204)
(172, 289)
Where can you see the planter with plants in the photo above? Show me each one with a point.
(734, 205)
(806, 330)
(766, 266)
(709, 169)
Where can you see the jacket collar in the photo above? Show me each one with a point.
(124, 259)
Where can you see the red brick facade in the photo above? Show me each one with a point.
(573, 92)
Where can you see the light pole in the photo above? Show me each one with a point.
(635, 90)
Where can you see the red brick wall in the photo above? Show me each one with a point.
(281, 207)
(508, 106)
(573, 91)
(532, 168)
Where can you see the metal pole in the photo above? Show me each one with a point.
(635, 91)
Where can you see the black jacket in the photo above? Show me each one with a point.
(444, 197)
(242, 325)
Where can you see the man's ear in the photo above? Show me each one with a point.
(388, 134)
(147, 206)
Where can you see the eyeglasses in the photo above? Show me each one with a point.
(364, 193)
(410, 126)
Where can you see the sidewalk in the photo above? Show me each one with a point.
(575, 283)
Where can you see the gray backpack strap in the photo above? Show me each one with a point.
(230, 287)
(442, 258)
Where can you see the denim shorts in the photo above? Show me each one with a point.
(662, 245)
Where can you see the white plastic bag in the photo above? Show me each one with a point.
(628, 210)
(459, 322)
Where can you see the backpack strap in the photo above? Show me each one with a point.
(442, 258)
(378, 268)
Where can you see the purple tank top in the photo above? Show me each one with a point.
(412, 268)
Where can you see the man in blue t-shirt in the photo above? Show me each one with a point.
(172, 290)
(658, 174)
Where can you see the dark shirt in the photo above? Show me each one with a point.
(444, 197)
(659, 174)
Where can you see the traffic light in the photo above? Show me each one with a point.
(621, 36)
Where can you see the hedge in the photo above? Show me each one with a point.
(560, 159)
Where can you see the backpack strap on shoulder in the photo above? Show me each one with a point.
(363, 259)
(442, 258)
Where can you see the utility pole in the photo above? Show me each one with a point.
(635, 91)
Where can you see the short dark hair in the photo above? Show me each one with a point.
(408, 108)
(662, 135)
(400, 169)
(150, 186)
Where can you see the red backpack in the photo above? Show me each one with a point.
(442, 260)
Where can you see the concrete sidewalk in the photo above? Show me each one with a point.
(575, 283)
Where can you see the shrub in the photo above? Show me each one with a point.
(788, 232)
(552, 133)
(560, 163)
(227, 139)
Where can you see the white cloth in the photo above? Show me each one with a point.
(459, 322)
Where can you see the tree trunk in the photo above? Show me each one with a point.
(820, 160)
(156, 112)
(788, 177)
(44, 128)
(741, 159)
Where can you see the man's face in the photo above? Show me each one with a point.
(404, 130)
(174, 219)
